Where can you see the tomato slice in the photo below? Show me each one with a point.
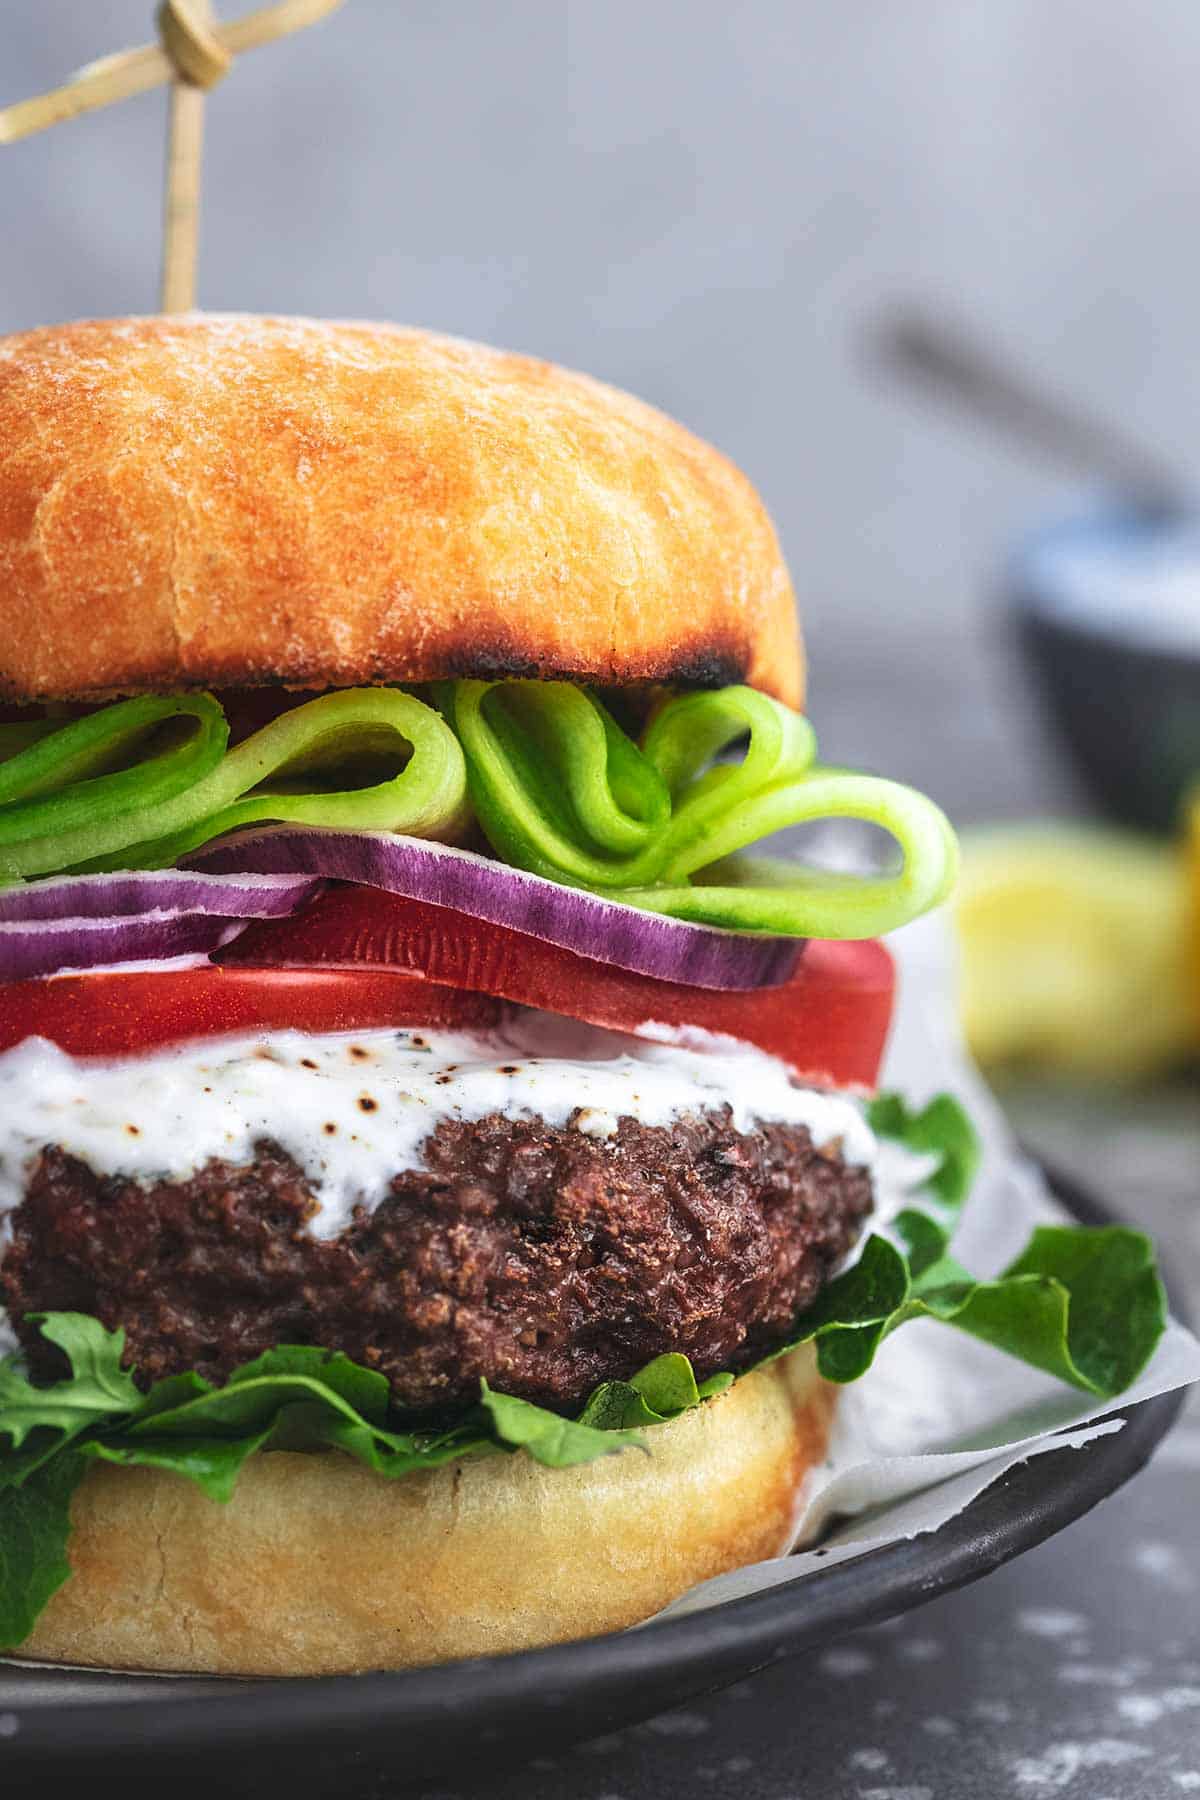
(114, 1013)
(357, 959)
(830, 1020)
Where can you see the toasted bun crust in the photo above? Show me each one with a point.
(318, 1566)
(217, 501)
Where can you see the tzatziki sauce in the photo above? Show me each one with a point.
(355, 1109)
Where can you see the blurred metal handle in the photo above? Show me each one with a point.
(958, 368)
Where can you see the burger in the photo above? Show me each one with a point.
(438, 1157)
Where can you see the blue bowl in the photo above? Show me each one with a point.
(1108, 610)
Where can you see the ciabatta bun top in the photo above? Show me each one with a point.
(215, 501)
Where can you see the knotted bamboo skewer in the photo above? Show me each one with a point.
(194, 52)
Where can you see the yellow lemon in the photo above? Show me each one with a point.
(1192, 826)
(1076, 948)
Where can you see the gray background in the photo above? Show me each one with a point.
(704, 202)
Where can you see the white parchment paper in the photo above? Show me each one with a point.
(940, 1415)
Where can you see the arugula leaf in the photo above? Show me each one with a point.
(663, 1389)
(41, 1421)
(249, 1401)
(1084, 1305)
(550, 1439)
(388, 1453)
(851, 1316)
(35, 1525)
(214, 1464)
(1094, 1304)
(942, 1128)
(1089, 1313)
(365, 1390)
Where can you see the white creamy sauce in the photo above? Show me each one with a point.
(355, 1109)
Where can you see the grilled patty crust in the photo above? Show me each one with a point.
(538, 1258)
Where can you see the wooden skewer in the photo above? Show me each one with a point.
(131, 72)
(193, 54)
(181, 211)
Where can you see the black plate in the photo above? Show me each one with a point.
(468, 1715)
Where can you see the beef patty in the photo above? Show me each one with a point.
(539, 1258)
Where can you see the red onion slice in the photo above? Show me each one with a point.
(58, 946)
(240, 896)
(93, 921)
(605, 930)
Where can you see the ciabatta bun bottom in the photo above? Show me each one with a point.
(317, 1566)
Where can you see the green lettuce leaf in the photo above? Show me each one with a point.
(35, 1529)
(550, 1439)
(1086, 1306)
(1083, 1305)
(942, 1129)
(39, 1422)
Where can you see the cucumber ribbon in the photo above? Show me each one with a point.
(139, 784)
(557, 787)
